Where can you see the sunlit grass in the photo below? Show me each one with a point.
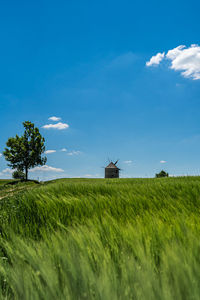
(102, 239)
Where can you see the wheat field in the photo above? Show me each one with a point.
(100, 239)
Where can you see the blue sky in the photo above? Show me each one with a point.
(90, 64)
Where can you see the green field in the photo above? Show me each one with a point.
(100, 239)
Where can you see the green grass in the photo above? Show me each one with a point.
(10, 187)
(101, 239)
(4, 181)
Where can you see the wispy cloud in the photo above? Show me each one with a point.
(128, 162)
(7, 171)
(54, 151)
(1, 155)
(195, 139)
(183, 59)
(49, 151)
(155, 60)
(122, 61)
(54, 118)
(163, 161)
(46, 168)
(74, 153)
(58, 126)
(90, 176)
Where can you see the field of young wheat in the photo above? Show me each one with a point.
(100, 239)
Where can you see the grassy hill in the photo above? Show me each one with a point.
(100, 239)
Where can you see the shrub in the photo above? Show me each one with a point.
(18, 175)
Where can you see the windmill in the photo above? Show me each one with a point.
(112, 171)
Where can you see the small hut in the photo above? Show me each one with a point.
(112, 171)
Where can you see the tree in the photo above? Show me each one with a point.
(25, 152)
(162, 174)
(18, 175)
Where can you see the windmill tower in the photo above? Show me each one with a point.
(112, 171)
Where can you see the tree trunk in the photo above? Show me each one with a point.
(26, 173)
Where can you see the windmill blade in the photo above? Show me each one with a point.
(116, 162)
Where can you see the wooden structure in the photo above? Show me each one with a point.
(112, 171)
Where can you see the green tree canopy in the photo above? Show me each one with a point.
(162, 174)
(25, 152)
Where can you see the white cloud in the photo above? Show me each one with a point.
(128, 161)
(54, 119)
(50, 151)
(0, 154)
(155, 60)
(90, 176)
(74, 153)
(63, 150)
(59, 126)
(186, 60)
(163, 161)
(46, 168)
(7, 171)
